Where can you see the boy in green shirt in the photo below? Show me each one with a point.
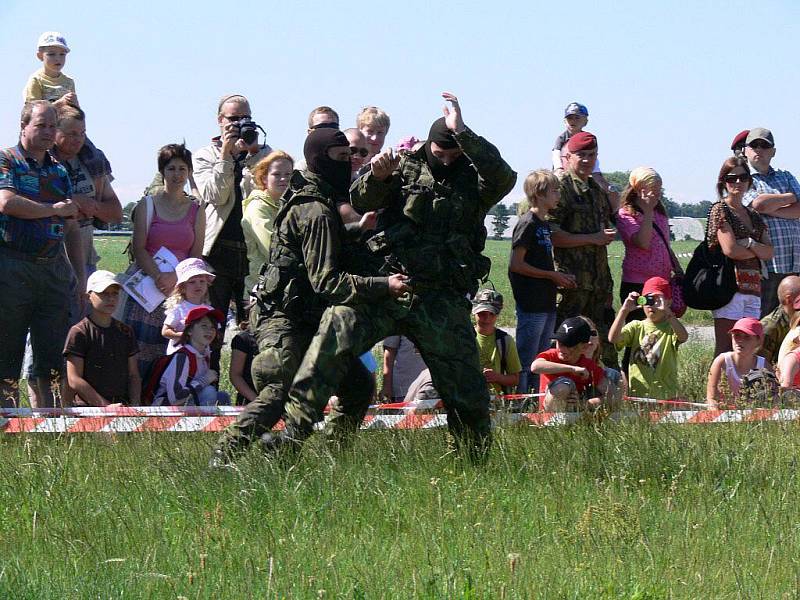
(498, 351)
(653, 371)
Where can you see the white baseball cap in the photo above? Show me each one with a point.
(52, 38)
(100, 281)
(192, 267)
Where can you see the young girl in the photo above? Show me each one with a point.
(746, 337)
(188, 378)
(616, 383)
(191, 291)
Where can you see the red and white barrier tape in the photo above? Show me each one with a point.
(134, 424)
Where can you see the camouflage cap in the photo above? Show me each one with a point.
(490, 300)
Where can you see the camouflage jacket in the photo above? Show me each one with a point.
(302, 274)
(434, 230)
(583, 208)
(776, 326)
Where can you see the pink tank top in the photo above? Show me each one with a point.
(175, 236)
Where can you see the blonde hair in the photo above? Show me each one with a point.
(372, 115)
(596, 356)
(231, 98)
(259, 172)
(537, 183)
(177, 296)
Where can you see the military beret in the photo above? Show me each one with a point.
(582, 140)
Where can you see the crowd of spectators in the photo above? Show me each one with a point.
(214, 210)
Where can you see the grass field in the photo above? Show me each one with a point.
(623, 510)
(596, 510)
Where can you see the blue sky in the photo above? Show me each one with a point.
(668, 84)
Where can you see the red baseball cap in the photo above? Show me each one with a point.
(583, 140)
(204, 311)
(657, 285)
(748, 325)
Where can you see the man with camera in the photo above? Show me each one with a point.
(222, 173)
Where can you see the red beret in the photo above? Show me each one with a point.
(582, 140)
(657, 285)
(740, 139)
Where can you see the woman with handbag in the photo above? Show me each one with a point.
(644, 228)
(742, 235)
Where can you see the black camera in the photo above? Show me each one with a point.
(248, 130)
(646, 300)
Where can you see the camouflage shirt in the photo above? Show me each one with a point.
(776, 326)
(302, 274)
(434, 229)
(583, 208)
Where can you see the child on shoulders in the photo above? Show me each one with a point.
(569, 380)
(654, 341)
(49, 83)
(101, 351)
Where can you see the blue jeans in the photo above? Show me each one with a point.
(534, 334)
(209, 396)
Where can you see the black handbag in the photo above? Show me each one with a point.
(709, 282)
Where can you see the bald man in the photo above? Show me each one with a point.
(776, 323)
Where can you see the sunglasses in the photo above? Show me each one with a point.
(362, 152)
(737, 178)
(760, 145)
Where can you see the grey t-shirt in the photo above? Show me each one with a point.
(407, 364)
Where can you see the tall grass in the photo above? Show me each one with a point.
(596, 510)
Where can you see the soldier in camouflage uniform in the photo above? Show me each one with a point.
(581, 233)
(777, 323)
(300, 279)
(434, 202)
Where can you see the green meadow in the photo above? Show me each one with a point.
(599, 509)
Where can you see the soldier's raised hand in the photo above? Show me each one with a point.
(383, 164)
(398, 285)
(452, 114)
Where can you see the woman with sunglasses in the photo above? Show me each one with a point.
(743, 237)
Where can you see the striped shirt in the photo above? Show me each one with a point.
(178, 386)
(784, 233)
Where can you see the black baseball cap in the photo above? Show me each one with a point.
(573, 331)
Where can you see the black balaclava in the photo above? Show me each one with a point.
(334, 172)
(443, 137)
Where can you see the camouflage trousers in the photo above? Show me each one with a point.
(438, 322)
(597, 305)
(282, 343)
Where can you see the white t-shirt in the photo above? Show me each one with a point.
(174, 318)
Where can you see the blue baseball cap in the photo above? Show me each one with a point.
(576, 108)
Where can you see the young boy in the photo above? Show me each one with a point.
(49, 83)
(498, 352)
(188, 377)
(533, 276)
(653, 370)
(566, 376)
(101, 351)
(576, 116)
